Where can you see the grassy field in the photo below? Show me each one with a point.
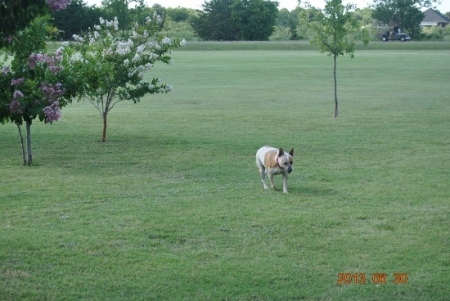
(171, 206)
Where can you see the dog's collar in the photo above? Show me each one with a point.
(279, 163)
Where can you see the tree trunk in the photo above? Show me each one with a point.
(335, 90)
(21, 144)
(30, 156)
(104, 126)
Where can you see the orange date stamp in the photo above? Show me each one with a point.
(376, 278)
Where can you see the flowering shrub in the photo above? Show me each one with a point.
(34, 90)
(52, 93)
(112, 67)
(52, 112)
(31, 85)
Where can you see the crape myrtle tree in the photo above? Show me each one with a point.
(404, 13)
(336, 33)
(30, 80)
(112, 66)
(232, 20)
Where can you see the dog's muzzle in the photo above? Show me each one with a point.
(289, 169)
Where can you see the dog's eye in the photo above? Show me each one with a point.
(285, 163)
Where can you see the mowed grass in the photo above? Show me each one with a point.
(171, 207)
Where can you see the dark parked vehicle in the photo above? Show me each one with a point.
(395, 36)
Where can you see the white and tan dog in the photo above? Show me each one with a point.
(272, 161)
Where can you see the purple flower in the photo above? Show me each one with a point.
(33, 59)
(16, 81)
(15, 107)
(52, 92)
(6, 70)
(57, 4)
(52, 61)
(17, 94)
(52, 112)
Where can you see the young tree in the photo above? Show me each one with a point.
(334, 34)
(111, 68)
(30, 84)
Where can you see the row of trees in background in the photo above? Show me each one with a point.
(235, 20)
(239, 19)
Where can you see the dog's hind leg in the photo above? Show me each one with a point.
(262, 172)
(272, 183)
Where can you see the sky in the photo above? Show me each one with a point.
(289, 4)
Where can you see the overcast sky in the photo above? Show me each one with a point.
(289, 4)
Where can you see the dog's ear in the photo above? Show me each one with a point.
(291, 152)
(280, 152)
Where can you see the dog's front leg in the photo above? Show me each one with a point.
(285, 178)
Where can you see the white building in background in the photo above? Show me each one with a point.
(433, 18)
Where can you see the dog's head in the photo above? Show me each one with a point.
(285, 160)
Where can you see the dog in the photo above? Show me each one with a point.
(272, 161)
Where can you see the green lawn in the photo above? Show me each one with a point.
(171, 207)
